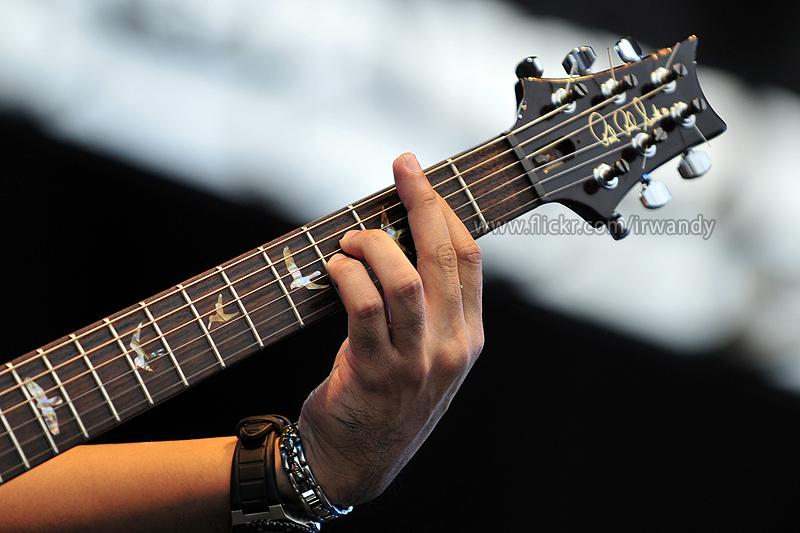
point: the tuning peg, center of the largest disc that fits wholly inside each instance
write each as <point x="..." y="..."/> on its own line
<point x="654" y="194"/>
<point x="694" y="164"/>
<point x="645" y="143"/>
<point x="530" y="67"/>
<point x="607" y="175"/>
<point x="684" y="114"/>
<point x="629" y="50"/>
<point x="563" y="97"/>
<point x="618" y="226"/>
<point x="579" y="61"/>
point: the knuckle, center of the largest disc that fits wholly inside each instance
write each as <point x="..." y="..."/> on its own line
<point x="471" y="254"/>
<point x="456" y="360"/>
<point x="445" y="256"/>
<point x="345" y="268"/>
<point x="414" y="376"/>
<point x="408" y="287"/>
<point x="368" y="308"/>
<point x="374" y="237"/>
<point x="409" y="329"/>
<point x="429" y="199"/>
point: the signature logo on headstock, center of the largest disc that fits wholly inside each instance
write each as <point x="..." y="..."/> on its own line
<point x="624" y="122"/>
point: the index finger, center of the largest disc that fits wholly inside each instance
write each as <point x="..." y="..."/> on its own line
<point x="437" y="261"/>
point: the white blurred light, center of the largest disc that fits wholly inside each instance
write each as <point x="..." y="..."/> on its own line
<point x="308" y="102"/>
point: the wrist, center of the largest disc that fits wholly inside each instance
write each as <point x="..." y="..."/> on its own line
<point x="303" y="480"/>
<point x="288" y="495"/>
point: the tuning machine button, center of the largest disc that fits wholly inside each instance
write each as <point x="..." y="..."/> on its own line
<point x="607" y="176"/>
<point x="579" y="61"/>
<point x="612" y="88"/>
<point x="666" y="77"/>
<point x="530" y="67"/>
<point x="645" y="143"/>
<point x="694" y="164"/>
<point x="567" y="98"/>
<point x="618" y="226"/>
<point x="629" y="50"/>
<point x="654" y="194"/>
<point x="684" y="114"/>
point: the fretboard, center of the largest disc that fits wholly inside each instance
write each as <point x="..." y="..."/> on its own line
<point x="81" y="385"/>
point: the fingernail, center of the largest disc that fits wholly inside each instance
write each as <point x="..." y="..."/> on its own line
<point x="411" y="163"/>
<point x="335" y="257"/>
<point x="349" y="234"/>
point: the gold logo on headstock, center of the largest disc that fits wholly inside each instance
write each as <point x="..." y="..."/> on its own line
<point x="624" y="122"/>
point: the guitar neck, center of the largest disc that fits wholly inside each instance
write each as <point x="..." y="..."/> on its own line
<point x="75" y="388"/>
<point x="582" y="141"/>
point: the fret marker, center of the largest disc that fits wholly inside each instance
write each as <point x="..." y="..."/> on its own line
<point x="45" y="405"/>
<point x="393" y="233"/>
<point x="299" y="279"/>
<point x="220" y="315"/>
<point x="141" y="356"/>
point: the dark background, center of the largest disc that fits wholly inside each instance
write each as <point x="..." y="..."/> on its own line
<point x="756" y="41"/>
<point x="560" y="426"/>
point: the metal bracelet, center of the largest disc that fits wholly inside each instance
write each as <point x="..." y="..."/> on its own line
<point x="296" y="467"/>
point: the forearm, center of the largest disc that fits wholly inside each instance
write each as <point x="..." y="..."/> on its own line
<point x="154" y="486"/>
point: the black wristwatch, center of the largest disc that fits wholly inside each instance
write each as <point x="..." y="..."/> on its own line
<point x="255" y="500"/>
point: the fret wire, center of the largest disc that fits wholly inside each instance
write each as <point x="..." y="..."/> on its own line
<point x="355" y="216"/>
<point x="283" y="287"/>
<point x="322" y="258"/>
<point x="203" y="327"/>
<point x="14" y="440"/>
<point x="316" y="248"/>
<point x="36" y="414"/>
<point x="164" y="341"/>
<point x="468" y="192"/>
<point x="125" y="352"/>
<point x="65" y="394"/>
<point x="241" y="306"/>
<point x="89" y="364"/>
<point x="131" y="364"/>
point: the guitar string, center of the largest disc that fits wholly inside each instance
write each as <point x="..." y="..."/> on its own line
<point x="444" y="164"/>
<point x="231" y="356"/>
<point x="113" y="341"/>
<point x="313" y="225"/>
<point x="388" y="191"/>
<point x="130" y="406"/>
<point x="137" y="387"/>
<point x="78" y="438"/>
<point x="295" y="233"/>
<point x="173" y="350"/>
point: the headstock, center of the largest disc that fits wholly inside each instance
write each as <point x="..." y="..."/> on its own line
<point x="587" y="139"/>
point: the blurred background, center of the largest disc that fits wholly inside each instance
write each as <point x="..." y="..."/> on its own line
<point x="666" y="394"/>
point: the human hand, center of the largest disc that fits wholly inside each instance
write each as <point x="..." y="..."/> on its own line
<point x="393" y="379"/>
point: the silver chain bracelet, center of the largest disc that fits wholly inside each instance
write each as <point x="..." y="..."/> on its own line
<point x="294" y="464"/>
